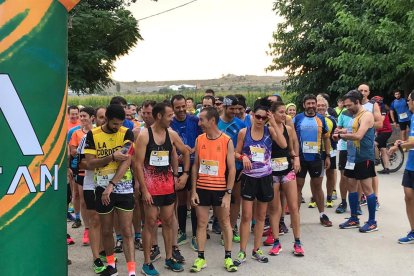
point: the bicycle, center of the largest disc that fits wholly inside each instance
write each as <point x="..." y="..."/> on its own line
<point x="396" y="159"/>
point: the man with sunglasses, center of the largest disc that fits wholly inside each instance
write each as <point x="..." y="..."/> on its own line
<point x="219" y="104"/>
<point x="208" y="101"/>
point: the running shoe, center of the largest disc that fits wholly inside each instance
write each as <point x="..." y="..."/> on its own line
<point x="378" y="206"/>
<point x="182" y="238"/>
<point x="194" y="244"/>
<point x="283" y="228"/>
<point x="109" y="271"/>
<point x="236" y="237"/>
<point x="369" y="226"/>
<point x="352" y="222"/>
<point x="155" y="253"/>
<point x="325" y="221"/>
<point x="384" y="171"/>
<point x="216" y="226"/>
<point x="363" y="200"/>
<point x="334" y="195"/>
<point x="173" y="265"/>
<point x="85" y="239"/>
<point x="298" y="249"/>
<point x="241" y="258"/>
<point x="408" y="239"/>
<point x="329" y="204"/>
<point x="312" y="204"/>
<point x="276" y="249"/>
<point x="149" y="270"/>
<point x="69" y="240"/>
<point x="267" y="232"/>
<point x="177" y="255"/>
<point x="69" y="217"/>
<point x="138" y="244"/>
<point x="118" y="246"/>
<point x="98" y="266"/>
<point x="259" y="256"/>
<point x="229" y="265"/>
<point x="77" y="223"/>
<point x="341" y="208"/>
<point x="359" y="210"/>
<point x="269" y="240"/>
<point x="266" y="223"/>
<point x="198" y="265"/>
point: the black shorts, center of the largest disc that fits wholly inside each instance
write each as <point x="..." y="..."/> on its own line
<point x="124" y="202"/>
<point x="382" y="139"/>
<point x="257" y="188"/>
<point x="408" y="179"/>
<point x="315" y="169"/>
<point x="404" y="125"/>
<point x="343" y="156"/>
<point x="210" y="197"/>
<point x="79" y="179"/>
<point x="89" y="197"/>
<point x="237" y="178"/>
<point x="362" y="170"/>
<point x="163" y="200"/>
<point x="333" y="163"/>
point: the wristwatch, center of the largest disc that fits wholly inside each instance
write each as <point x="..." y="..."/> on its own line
<point x="111" y="182"/>
<point x="229" y="191"/>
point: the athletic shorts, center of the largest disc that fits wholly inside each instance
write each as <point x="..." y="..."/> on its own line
<point x="404" y="125"/>
<point x="282" y="179"/>
<point x="315" y="169"/>
<point x="163" y="200"/>
<point x="408" y="179"/>
<point x="210" y="197"/>
<point x="382" y="139"/>
<point x="124" y="202"/>
<point x="333" y="163"/>
<point x="238" y="174"/>
<point x="343" y="156"/>
<point x="362" y="170"/>
<point x="79" y="179"/>
<point x="257" y="188"/>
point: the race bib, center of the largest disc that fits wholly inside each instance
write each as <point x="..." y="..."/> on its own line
<point x="257" y="154"/>
<point x="279" y="164"/>
<point x="310" y="147"/>
<point x="350" y="165"/>
<point x="209" y="167"/>
<point x="103" y="177"/>
<point x="332" y="153"/>
<point x="180" y="169"/>
<point x="159" y="158"/>
<point x="403" y="116"/>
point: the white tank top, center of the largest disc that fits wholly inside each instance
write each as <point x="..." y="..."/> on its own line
<point x="369" y="106"/>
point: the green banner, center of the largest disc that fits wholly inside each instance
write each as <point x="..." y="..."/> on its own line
<point x="33" y="95"/>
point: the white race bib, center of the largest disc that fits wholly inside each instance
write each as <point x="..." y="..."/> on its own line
<point x="310" y="147"/>
<point x="403" y="116"/>
<point x="332" y="153"/>
<point x="279" y="164"/>
<point x="103" y="177"/>
<point x="257" y="154"/>
<point x="159" y="158"/>
<point x="350" y="165"/>
<point x="209" y="167"/>
<point x="180" y="169"/>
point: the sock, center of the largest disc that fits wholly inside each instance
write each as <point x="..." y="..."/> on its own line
<point x="77" y="216"/>
<point x="255" y="250"/>
<point x="119" y="237"/>
<point x="353" y="203"/>
<point x="276" y="242"/>
<point x="343" y="201"/>
<point x="372" y="205"/>
<point x="102" y="253"/>
<point x="182" y="217"/>
<point x="253" y="222"/>
<point x="194" y="222"/>
<point x="201" y="254"/>
<point x="155" y="246"/>
<point x="321" y="214"/>
<point x="227" y="254"/>
<point x="131" y="268"/>
<point x="111" y="260"/>
<point x="137" y="235"/>
<point x="297" y="241"/>
<point x="329" y="198"/>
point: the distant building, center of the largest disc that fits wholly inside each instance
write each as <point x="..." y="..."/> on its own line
<point x="182" y="87"/>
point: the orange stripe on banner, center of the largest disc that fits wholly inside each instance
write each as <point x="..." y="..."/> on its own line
<point x="9" y="201"/>
<point x="69" y="4"/>
<point x="11" y="8"/>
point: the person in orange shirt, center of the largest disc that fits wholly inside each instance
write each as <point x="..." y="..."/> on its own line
<point x="73" y="114"/>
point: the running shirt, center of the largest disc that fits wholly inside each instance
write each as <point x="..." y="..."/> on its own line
<point x="102" y="144"/>
<point x="386" y="125"/>
<point x="331" y="122"/>
<point x="212" y="155"/>
<point x="247" y="120"/>
<point x="410" y="160"/>
<point x="158" y="174"/>
<point x="188" y="130"/>
<point x="281" y="159"/>
<point x="339" y="110"/>
<point x="232" y="130"/>
<point x="128" y="124"/>
<point x="88" y="181"/>
<point x="310" y="132"/>
<point x="75" y="142"/>
<point x="72" y="125"/>
<point x="259" y="153"/>
<point x="343" y="122"/>
<point x="401" y="108"/>
<point x="369" y="106"/>
<point x="71" y="131"/>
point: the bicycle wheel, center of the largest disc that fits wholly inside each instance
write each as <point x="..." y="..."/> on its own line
<point x="396" y="159"/>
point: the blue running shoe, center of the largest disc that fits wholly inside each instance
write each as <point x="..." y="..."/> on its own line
<point x="341" y="208"/>
<point x="369" y="226"/>
<point x="149" y="270"/>
<point x="352" y="222"/>
<point x="173" y="265"/>
<point x="408" y="239"/>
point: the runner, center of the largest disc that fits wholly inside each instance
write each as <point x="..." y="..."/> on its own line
<point x="213" y="176"/>
<point x="158" y="181"/>
<point x="359" y="135"/>
<point x="311" y="129"/>
<point x="291" y="110"/>
<point x="400" y="108"/>
<point x="408" y="178"/>
<point x="122" y="102"/>
<point x="208" y="101"/>
<point x="106" y="151"/>
<point x="242" y="115"/>
<point x="190" y="105"/>
<point x="340" y="107"/>
<point x="73" y="117"/>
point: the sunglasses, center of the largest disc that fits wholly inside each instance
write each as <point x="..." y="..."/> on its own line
<point x="218" y="104"/>
<point x="258" y="117"/>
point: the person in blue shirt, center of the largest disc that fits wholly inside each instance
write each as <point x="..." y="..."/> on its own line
<point x="408" y="178"/>
<point x="231" y="125"/>
<point x="121" y="101"/>
<point x="242" y="115"/>
<point x="400" y="108"/>
<point x="186" y="126"/>
<point x="311" y="129"/>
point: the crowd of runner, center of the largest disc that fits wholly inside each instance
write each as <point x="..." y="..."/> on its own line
<point x="135" y="168"/>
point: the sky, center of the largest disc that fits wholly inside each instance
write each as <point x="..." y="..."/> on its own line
<point x="203" y="40"/>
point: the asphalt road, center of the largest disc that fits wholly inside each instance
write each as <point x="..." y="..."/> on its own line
<point x="328" y="251"/>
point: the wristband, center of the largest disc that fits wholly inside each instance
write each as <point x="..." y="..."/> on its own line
<point x="241" y="157"/>
<point x="111" y="182"/>
<point x="113" y="157"/>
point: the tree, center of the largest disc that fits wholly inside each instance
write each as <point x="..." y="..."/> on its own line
<point x="101" y="31"/>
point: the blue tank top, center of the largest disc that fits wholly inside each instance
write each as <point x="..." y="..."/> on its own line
<point x="259" y="153"/>
<point x="363" y="150"/>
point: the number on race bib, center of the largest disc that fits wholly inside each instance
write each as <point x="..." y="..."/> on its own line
<point x="403" y="116"/>
<point x="159" y="158"/>
<point x="257" y="154"/>
<point x="310" y="147"/>
<point x="209" y="167"/>
<point x="280" y="164"/>
<point x="350" y="165"/>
